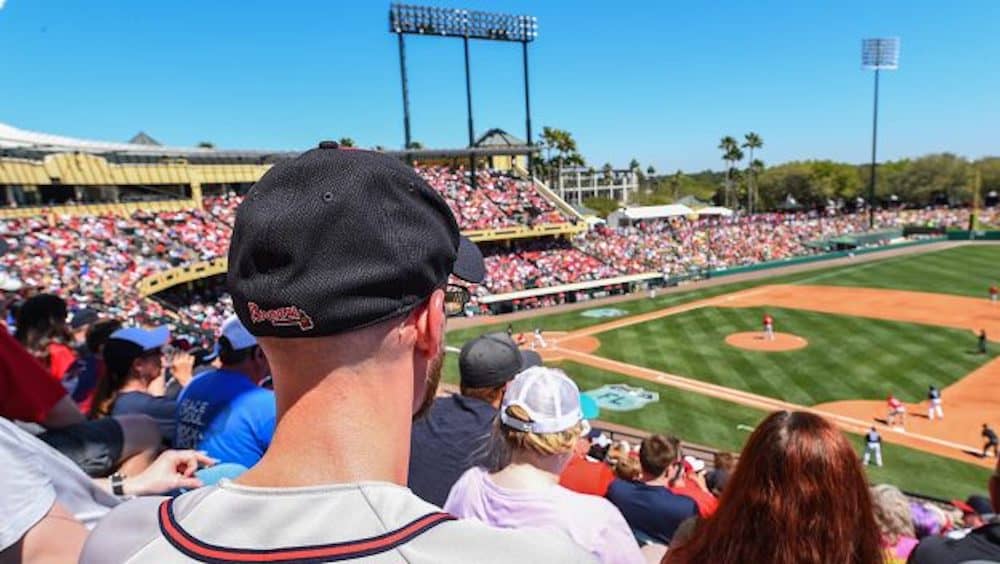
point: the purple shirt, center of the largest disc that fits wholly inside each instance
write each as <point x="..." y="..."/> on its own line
<point x="591" y="521"/>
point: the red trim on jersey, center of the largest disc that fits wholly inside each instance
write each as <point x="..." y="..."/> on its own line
<point x="194" y="548"/>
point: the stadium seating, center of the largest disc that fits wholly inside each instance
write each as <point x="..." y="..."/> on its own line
<point x="99" y="259"/>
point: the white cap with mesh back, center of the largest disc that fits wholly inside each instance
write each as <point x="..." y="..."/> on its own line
<point x="550" y="398"/>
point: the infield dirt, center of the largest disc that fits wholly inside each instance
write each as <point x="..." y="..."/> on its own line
<point x="968" y="403"/>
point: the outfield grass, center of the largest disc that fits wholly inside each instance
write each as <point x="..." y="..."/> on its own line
<point x="713" y="422"/>
<point x="856" y="357"/>
<point x="847" y="357"/>
<point x="965" y="271"/>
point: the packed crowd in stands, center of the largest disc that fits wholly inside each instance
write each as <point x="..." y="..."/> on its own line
<point x="124" y="443"/>
<point x="97" y="261"/>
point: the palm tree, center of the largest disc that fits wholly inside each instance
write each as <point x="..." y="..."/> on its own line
<point x="751" y="141"/>
<point x="728" y="145"/>
<point x="734" y="156"/>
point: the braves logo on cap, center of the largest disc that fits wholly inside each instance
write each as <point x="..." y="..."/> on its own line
<point x="280" y="317"/>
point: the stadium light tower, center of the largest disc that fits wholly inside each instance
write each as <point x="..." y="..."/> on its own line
<point x="464" y="24"/>
<point x="877" y="54"/>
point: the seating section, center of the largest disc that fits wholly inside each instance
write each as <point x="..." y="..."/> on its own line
<point x="100" y="259"/>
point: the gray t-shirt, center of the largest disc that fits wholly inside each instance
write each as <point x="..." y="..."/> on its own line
<point x="34" y="476"/>
<point x="369" y="521"/>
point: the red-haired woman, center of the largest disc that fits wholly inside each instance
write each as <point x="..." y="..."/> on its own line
<point x="798" y="496"/>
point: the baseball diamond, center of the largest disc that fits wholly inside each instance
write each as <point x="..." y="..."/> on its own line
<point x="891" y="324"/>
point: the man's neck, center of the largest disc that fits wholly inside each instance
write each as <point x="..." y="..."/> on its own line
<point x="348" y="427"/>
<point x="652" y="480"/>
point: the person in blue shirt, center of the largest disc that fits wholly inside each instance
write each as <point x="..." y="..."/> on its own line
<point x="225" y="412"/>
<point x="648" y="505"/>
<point x="453" y="435"/>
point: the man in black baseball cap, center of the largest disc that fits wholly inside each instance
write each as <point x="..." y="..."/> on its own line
<point x="452" y="437"/>
<point x="339" y="266"/>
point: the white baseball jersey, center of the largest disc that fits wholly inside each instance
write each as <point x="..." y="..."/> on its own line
<point x="361" y="522"/>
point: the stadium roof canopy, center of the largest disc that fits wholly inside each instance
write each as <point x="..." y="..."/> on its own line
<point x="22" y="143"/>
<point x="499" y="138"/>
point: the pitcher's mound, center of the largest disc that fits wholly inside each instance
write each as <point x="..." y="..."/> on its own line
<point x="755" y="341"/>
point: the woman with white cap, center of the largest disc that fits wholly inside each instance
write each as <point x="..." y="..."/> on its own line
<point x="540" y="421"/>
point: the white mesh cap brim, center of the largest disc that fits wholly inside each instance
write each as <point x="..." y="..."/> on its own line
<point x="548" y="396"/>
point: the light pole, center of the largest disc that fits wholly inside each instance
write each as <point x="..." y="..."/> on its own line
<point x="431" y="21"/>
<point x="877" y="54"/>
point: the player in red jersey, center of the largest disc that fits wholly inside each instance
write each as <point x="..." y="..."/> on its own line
<point x="897" y="412"/>
<point x="768" y="327"/>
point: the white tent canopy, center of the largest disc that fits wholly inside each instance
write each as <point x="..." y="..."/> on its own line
<point x="650" y="212"/>
<point x="716" y="210"/>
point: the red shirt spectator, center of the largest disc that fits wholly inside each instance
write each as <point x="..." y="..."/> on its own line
<point x="587" y="476"/>
<point x="27" y="391"/>
<point x="61" y="358"/>
<point x="692" y="485"/>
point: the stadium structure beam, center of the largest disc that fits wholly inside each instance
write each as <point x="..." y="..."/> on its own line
<point x="406" y="93"/>
<point x="877" y="54"/>
<point x="465" y="24"/>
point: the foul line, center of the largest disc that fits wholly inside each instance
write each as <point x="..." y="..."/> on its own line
<point x="744" y="398"/>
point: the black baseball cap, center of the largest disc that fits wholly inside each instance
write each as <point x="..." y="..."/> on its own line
<point x="493" y="359"/>
<point x="83" y="317"/>
<point x="338" y="239"/>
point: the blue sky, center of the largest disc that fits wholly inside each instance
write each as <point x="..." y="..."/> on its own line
<point x="659" y="81"/>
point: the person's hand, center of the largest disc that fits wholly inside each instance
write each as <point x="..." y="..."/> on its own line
<point x="182" y="367"/>
<point x="173" y="469"/>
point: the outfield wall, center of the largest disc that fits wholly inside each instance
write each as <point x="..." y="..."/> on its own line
<point x="974" y="235"/>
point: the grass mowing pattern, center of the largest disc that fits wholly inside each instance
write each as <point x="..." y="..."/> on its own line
<point x="712" y="422"/>
<point x="965" y="271"/>
<point x="847" y="357"/>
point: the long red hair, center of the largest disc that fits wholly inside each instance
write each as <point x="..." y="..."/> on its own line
<point x="798" y="496"/>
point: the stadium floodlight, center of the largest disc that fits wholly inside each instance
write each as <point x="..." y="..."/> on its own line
<point x="877" y="54"/>
<point x="407" y="19"/>
<point x="429" y="20"/>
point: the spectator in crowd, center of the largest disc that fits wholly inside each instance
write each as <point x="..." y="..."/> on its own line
<point x="895" y="523"/>
<point x="28" y="394"/>
<point x="89" y="369"/>
<point x="225" y="413"/>
<point x="979" y="545"/>
<point x="584" y="474"/>
<point x="651" y="509"/>
<point x="453" y="436"/>
<point x="79" y="324"/>
<point x="725" y="463"/>
<point x="627" y="467"/>
<point x="49" y="504"/>
<point x="976" y="512"/>
<point x="205" y="360"/>
<point x="928" y="519"/>
<point x="41" y="328"/>
<point x="689" y="481"/>
<point x="539" y="424"/>
<point x="135" y="379"/>
<point x="799" y="495"/>
<point x="353" y="324"/>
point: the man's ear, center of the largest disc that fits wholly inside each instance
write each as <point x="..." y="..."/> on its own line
<point x="430" y="325"/>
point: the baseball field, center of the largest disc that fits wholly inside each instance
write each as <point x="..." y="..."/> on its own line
<point x="849" y="333"/>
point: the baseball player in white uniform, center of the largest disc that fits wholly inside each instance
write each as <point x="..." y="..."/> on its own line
<point x="538" y="340"/>
<point x="873" y="445"/>
<point x="934" y="396"/>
